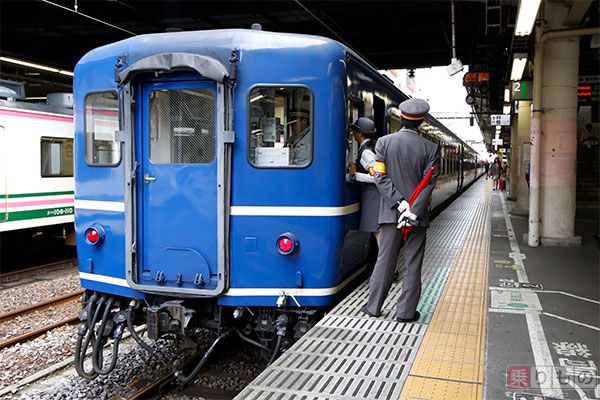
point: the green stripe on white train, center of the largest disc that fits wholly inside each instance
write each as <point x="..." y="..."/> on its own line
<point x="34" y="214"/>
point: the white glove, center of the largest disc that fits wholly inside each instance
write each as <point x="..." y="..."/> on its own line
<point x="403" y="206"/>
<point x="406" y="218"/>
<point x="402" y="223"/>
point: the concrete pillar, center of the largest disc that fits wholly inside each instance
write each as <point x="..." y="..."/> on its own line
<point x="558" y="151"/>
<point x="513" y="159"/>
<point x="522" y="158"/>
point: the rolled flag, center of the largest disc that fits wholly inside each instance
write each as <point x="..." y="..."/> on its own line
<point x="424" y="182"/>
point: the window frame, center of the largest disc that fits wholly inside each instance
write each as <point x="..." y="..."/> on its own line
<point x="61" y="140"/>
<point x="311" y="121"/>
<point x="85" y="132"/>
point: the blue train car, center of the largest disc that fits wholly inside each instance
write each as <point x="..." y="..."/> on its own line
<point x="210" y="181"/>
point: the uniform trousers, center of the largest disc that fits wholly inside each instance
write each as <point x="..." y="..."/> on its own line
<point x="383" y="273"/>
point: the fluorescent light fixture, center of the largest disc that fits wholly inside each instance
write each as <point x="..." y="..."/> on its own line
<point x="260" y="96"/>
<point x="36" y="66"/>
<point x="506" y="95"/>
<point x="36" y="98"/>
<point x="519" y="61"/>
<point x="506" y="110"/>
<point x="526" y="16"/>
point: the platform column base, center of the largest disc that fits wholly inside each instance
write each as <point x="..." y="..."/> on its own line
<point x="574" y="241"/>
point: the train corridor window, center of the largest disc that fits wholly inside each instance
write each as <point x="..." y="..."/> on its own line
<point x="56" y="157"/>
<point x="101" y="123"/>
<point x="280" y="127"/>
<point x="183" y="126"/>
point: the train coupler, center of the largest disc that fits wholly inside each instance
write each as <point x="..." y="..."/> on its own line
<point x="169" y="317"/>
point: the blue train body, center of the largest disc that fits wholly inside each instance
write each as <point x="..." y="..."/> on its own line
<point x="184" y="182"/>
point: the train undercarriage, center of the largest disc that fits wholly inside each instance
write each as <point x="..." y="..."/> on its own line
<point x="105" y="317"/>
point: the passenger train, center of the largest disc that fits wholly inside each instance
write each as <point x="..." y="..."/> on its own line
<point x="36" y="171"/>
<point x="210" y="183"/>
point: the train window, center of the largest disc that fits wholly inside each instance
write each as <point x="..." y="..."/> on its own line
<point x="56" y="157"/>
<point x="280" y="133"/>
<point x="182" y="126"/>
<point x="101" y="123"/>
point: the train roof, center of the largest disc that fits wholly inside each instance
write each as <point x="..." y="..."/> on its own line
<point x="215" y="43"/>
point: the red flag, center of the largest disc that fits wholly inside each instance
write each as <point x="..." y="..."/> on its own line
<point x="424" y="182"/>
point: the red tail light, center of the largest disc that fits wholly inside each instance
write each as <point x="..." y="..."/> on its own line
<point x="287" y="244"/>
<point x="94" y="234"/>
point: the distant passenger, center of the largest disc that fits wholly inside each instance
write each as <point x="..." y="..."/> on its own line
<point x="362" y="171"/>
<point x="496" y="173"/>
<point x="403" y="161"/>
<point x="301" y="137"/>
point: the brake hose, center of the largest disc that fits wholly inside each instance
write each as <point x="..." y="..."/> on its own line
<point x="184" y="380"/>
<point x="98" y="345"/>
<point x="83" y="344"/>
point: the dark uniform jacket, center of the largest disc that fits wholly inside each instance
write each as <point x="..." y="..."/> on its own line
<point x="407" y="157"/>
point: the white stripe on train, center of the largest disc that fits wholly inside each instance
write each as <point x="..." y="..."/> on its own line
<point x="237" y="292"/>
<point x="263" y="211"/>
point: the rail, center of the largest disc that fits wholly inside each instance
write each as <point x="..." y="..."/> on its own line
<point x="39" y="307"/>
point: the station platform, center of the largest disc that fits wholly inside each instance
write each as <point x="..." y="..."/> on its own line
<point x="499" y="320"/>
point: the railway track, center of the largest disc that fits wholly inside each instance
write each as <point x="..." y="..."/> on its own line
<point x="217" y="380"/>
<point x="57" y="301"/>
<point x="38" y="271"/>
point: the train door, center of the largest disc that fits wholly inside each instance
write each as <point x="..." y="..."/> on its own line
<point x="178" y="222"/>
<point x="3" y="175"/>
<point x="461" y="166"/>
<point x="379" y="115"/>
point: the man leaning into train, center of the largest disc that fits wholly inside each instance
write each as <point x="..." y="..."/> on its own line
<point x="405" y="162"/>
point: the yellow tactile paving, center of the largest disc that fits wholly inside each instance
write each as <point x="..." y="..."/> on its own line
<point x="450" y="362"/>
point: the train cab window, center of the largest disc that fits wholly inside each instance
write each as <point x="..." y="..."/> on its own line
<point x="56" y="157"/>
<point x="183" y="126"/>
<point x="280" y="128"/>
<point x="101" y="123"/>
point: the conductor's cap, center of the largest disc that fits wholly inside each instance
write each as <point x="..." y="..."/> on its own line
<point x="414" y="109"/>
<point x="364" y="125"/>
<point x="298" y="113"/>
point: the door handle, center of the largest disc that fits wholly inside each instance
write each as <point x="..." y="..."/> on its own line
<point x="148" y="178"/>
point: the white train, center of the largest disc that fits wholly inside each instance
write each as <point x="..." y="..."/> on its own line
<point x="36" y="168"/>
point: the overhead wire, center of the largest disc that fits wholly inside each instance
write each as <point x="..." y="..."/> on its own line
<point x="334" y="32"/>
<point x="322" y="23"/>
<point x="88" y="16"/>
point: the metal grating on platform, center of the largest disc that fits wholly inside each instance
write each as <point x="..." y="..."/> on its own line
<point x="350" y="356"/>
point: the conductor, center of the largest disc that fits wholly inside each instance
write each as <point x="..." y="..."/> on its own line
<point x="403" y="161"/>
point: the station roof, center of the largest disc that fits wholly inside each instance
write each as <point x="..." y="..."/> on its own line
<point x="390" y="34"/>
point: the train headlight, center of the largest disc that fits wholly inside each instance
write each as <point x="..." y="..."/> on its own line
<point x="94" y="234"/>
<point x="287" y="244"/>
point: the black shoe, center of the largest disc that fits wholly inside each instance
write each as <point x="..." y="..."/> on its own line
<point x="415" y="318"/>
<point x="364" y="310"/>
